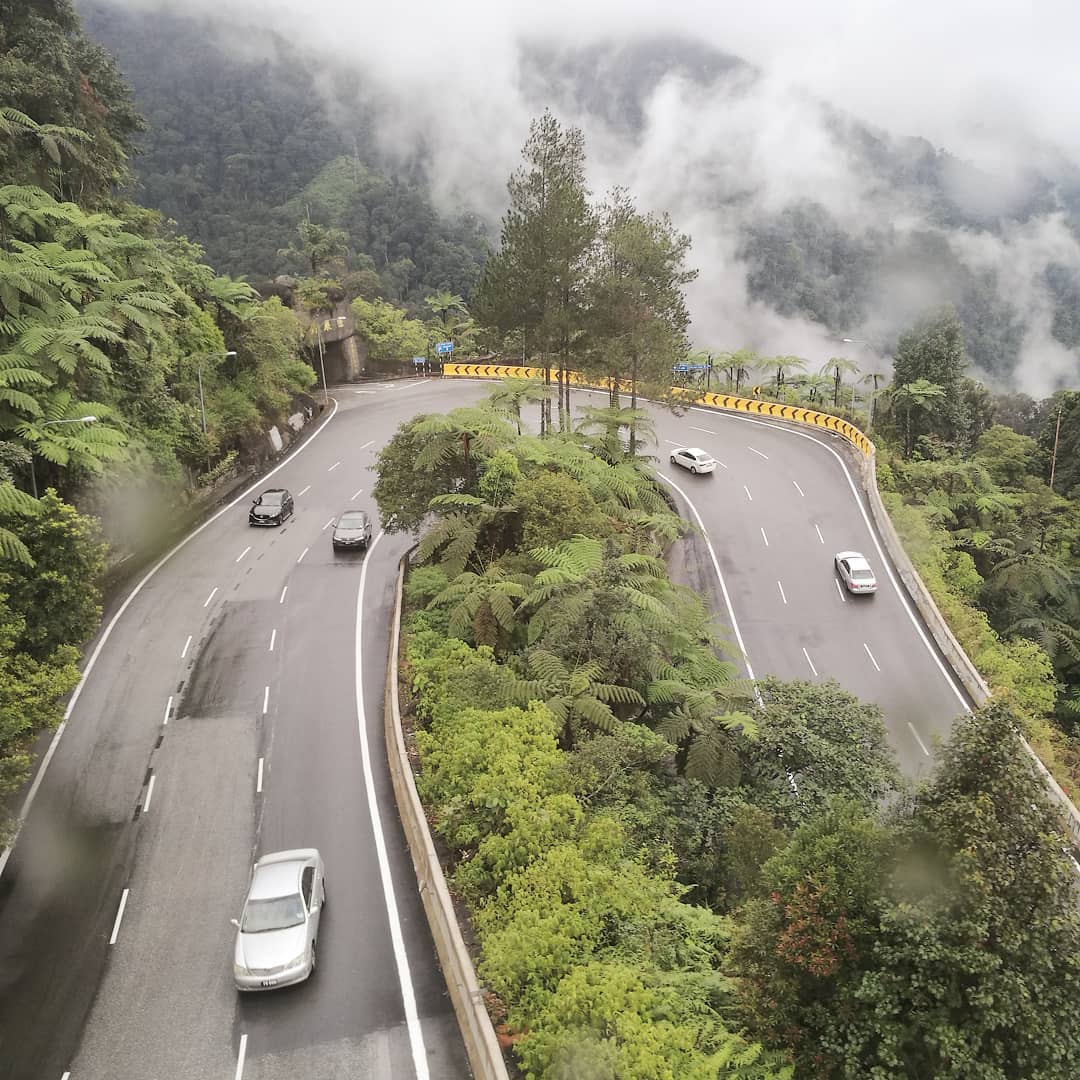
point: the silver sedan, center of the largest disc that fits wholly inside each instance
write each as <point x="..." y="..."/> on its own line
<point x="278" y="929"/>
<point x="855" y="572"/>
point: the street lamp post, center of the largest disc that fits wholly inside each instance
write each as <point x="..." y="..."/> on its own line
<point x="49" y="423"/>
<point x="202" y="404"/>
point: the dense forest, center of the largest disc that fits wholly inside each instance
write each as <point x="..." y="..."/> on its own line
<point x="239" y="151"/>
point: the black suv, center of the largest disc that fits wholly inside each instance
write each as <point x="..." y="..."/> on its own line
<point x="272" y="507"/>
<point x="352" y="530"/>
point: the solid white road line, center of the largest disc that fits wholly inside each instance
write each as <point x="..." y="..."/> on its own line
<point x="187" y="645"/>
<point x="258" y="781"/>
<point x="149" y="793"/>
<point x="304" y="491"/>
<point x="281" y="599"/>
<point x="327" y="525"/>
<point x="243" y="553"/>
<point x="102" y="641"/>
<point x="273" y="638"/>
<point x="359" y="491"/>
<point x="922" y="745"/>
<point x="412" y="1018"/>
<point x="748" y="495"/>
<point x="670" y="443"/>
<point x="799" y="489"/>
<point x="705" y="430"/>
<point x="364" y="391"/>
<point x="240" y="1057"/>
<point x="206" y="602"/>
<point x="367" y="444"/>
<point x="781" y="588"/>
<point x="334" y="466"/>
<point x="840" y="590"/>
<point x="266" y="700"/>
<point x="119" y="916"/>
<point x="819" y="536"/>
<point x="168" y="709"/>
<point x="764" y="536"/>
<point x="719" y="577"/>
<point x="810" y="662"/>
<point x="66" y="1076"/>
<point x="758" y="452"/>
<point x="871" y="655"/>
<point x="301" y="559"/>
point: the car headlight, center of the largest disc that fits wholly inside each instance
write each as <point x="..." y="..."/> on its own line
<point x="239" y="969"/>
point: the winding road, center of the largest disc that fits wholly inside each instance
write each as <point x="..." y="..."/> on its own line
<point x="236" y="708"/>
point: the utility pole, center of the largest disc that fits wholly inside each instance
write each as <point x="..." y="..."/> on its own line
<point x="322" y="366"/>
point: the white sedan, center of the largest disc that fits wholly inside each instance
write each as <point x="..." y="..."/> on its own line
<point x="694" y="459"/>
<point x="277" y="933"/>
<point x="855" y="572"/>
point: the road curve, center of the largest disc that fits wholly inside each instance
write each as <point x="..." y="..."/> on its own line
<point x="775" y="512"/>
<point x="231" y="713"/>
<point x="227" y="716"/>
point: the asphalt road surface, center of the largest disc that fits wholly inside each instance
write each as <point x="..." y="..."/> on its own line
<point x="231" y="712"/>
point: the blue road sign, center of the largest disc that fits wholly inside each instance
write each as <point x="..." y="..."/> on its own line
<point x="418" y="360"/>
<point x="683" y="368"/>
<point x="443" y="347"/>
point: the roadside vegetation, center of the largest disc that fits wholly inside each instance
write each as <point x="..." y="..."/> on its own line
<point x="671" y="876"/>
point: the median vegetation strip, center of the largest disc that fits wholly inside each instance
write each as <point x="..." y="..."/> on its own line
<point x="650" y="893"/>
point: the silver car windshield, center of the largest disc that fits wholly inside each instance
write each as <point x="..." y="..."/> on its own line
<point x="277" y="914"/>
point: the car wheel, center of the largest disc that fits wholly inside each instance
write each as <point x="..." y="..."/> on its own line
<point x="693" y="469"/>
<point x="672" y="459"/>
<point x="312" y="959"/>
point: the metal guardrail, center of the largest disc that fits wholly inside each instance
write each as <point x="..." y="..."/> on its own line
<point x="481" y="1043"/>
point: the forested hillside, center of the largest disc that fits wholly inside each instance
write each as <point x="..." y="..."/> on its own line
<point x="238" y="151"/>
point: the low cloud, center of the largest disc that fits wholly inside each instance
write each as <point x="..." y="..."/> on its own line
<point x="996" y="87"/>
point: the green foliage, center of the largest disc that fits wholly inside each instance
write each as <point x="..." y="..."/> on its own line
<point x="57" y="598"/>
<point x="67" y="124"/>
<point x="975" y="960"/>
<point x="815" y="743"/>
<point x="801" y="946"/>
<point x="391" y="337"/>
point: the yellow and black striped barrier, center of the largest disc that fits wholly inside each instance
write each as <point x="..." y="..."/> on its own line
<point x="774" y="409"/>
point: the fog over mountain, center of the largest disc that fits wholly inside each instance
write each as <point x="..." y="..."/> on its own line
<point x="839" y="165"/>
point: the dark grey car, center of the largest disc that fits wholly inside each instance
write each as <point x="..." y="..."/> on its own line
<point x="352" y="531"/>
<point x="272" y="507"/>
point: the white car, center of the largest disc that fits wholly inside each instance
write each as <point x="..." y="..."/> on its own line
<point x="855" y="572"/>
<point x="694" y="459"/>
<point x="279" y="927"/>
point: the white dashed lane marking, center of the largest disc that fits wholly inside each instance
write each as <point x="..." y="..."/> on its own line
<point x="810" y="662"/>
<point x="119" y="916"/>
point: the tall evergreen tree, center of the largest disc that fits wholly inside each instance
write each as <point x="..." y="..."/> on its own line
<point x="535" y="282"/>
<point x="639" y="319"/>
<point x="934" y="350"/>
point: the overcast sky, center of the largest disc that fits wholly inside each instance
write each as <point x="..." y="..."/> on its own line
<point x="996" y="82"/>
